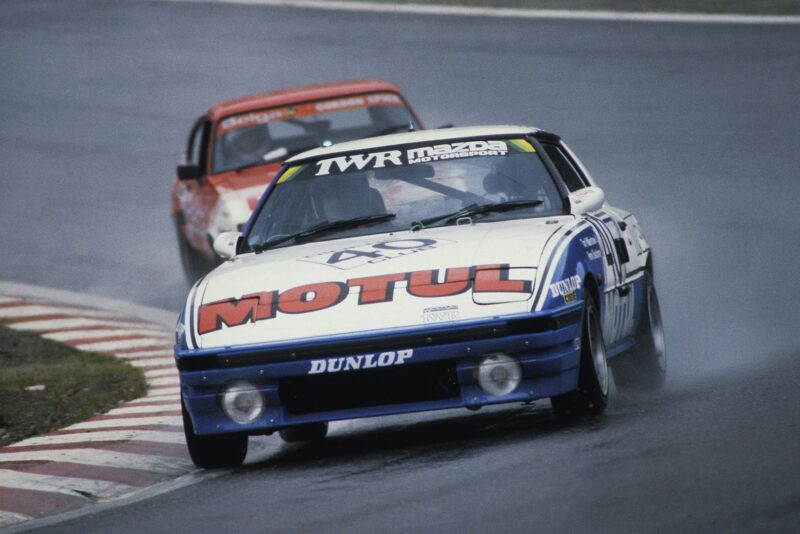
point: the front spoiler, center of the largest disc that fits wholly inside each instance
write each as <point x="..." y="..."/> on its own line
<point x="546" y="344"/>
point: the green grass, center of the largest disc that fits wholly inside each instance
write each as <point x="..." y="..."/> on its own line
<point x="78" y="385"/>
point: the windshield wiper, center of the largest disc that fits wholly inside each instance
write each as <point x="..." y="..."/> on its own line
<point x="324" y="227"/>
<point x="478" y="209"/>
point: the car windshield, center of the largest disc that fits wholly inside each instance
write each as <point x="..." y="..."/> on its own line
<point x="416" y="186"/>
<point x="275" y="134"/>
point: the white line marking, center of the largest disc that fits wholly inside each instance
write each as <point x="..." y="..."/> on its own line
<point x="102" y="458"/>
<point x="516" y="13"/>
<point x="130" y="421"/>
<point x="161" y="391"/>
<point x="93" y="334"/>
<point x="146" y="353"/>
<point x="37" y="309"/>
<point x="147" y="409"/>
<point x="111" y="306"/>
<point x="156" y="373"/>
<point x="58" y="484"/>
<point x="56" y="324"/>
<point x="111" y="346"/>
<point x="10" y="518"/>
<point x="151" y="398"/>
<point x="110" y="435"/>
<point x="153" y="363"/>
<point x="163" y="381"/>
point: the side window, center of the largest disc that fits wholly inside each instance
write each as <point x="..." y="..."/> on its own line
<point x="198" y="140"/>
<point x="570" y="174"/>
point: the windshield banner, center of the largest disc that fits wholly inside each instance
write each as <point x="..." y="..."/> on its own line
<point x="304" y="110"/>
<point x="420" y="154"/>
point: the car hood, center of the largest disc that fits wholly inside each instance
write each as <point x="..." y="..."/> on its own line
<point x="372" y="283"/>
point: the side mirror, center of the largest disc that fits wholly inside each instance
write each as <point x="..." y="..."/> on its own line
<point x="226" y="243"/>
<point x="275" y="155"/>
<point x="189" y="171"/>
<point x="586" y="200"/>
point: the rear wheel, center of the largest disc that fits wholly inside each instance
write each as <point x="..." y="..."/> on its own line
<point x="591" y="397"/>
<point x="644" y="367"/>
<point x="307" y="432"/>
<point x="210" y="452"/>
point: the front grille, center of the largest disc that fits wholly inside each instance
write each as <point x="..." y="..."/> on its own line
<point x="402" y="384"/>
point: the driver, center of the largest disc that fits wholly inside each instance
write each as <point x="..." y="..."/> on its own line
<point x="345" y="197"/>
<point x="247" y="145"/>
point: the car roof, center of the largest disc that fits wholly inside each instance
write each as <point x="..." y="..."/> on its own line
<point x="423" y="136"/>
<point x="295" y="95"/>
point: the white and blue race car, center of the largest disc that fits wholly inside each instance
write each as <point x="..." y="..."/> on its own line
<point x="420" y="271"/>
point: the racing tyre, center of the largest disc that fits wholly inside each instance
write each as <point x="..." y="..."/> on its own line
<point x="307" y="432"/>
<point x="591" y="397"/>
<point x="644" y="367"/>
<point x="211" y="452"/>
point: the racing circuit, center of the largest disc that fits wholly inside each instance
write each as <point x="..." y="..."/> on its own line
<point x="692" y="127"/>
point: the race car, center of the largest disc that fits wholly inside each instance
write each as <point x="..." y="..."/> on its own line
<point x="419" y="271"/>
<point x="237" y="146"/>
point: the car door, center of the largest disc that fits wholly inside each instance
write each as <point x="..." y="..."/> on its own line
<point x="618" y="297"/>
<point x="195" y="195"/>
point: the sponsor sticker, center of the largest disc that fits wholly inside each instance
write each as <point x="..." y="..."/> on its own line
<point x="351" y="257"/>
<point x="565" y="287"/>
<point x="304" y="110"/>
<point x="360" y="361"/>
<point x="419" y="154"/>
<point x="439" y="314"/>
<point x="376" y="289"/>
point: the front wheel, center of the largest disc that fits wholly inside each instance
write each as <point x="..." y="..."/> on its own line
<point x="591" y="397"/>
<point x="211" y="452"/>
<point x="644" y="367"/>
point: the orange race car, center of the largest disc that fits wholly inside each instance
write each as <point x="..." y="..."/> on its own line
<point x="237" y="146"/>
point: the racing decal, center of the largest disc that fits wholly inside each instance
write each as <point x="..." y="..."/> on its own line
<point x="359" y="162"/>
<point x="592" y="247"/>
<point x="291" y="172"/>
<point x="351" y="257"/>
<point x="312" y="297"/>
<point x="495" y="279"/>
<point x="361" y="361"/>
<point x="522" y="145"/>
<point x="425" y="284"/>
<point x="376" y="289"/>
<point x="420" y="154"/>
<point x="620" y="315"/>
<point x="566" y="288"/>
<point x="439" y="314"/>
<point x="252" y="118"/>
<point x="463" y="149"/>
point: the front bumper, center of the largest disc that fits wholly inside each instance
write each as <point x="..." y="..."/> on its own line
<point x="547" y="346"/>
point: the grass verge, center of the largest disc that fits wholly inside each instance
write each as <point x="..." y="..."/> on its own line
<point x="77" y="385"/>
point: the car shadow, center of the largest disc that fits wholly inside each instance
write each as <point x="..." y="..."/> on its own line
<point x="419" y="440"/>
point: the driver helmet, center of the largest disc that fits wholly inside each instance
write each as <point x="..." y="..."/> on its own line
<point x="249" y="144"/>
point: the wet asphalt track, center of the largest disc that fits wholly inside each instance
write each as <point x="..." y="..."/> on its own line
<point x="693" y="127"/>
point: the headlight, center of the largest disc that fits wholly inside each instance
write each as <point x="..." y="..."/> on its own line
<point x="499" y="374"/>
<point x="242" y="402"/>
